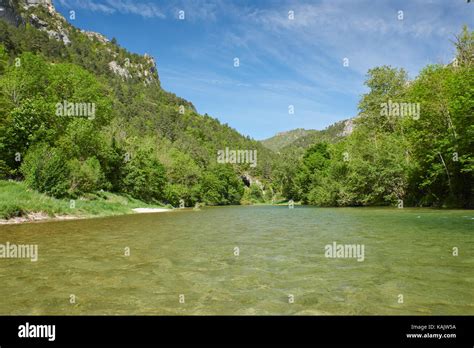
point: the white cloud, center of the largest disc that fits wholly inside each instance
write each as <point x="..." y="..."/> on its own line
<point x="144" y="9"/>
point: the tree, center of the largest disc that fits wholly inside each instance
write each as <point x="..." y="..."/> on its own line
<point x="464" y="43"/>
<point x="144" y="176"/>
<point x="220" y="185"/>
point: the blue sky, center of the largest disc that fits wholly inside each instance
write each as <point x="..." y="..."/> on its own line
<point x="283" y="61"/>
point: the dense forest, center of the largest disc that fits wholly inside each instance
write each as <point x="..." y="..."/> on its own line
<point x="407" y="157"/>
<point x="154" y="146"/>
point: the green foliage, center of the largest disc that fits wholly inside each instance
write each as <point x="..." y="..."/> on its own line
<point x="17" y="199"/>
<point x="464" y="44"/>
<point x="283" y="139"/>
<point x="45" y="170"/>
<point x="424" y="159"/>
<point x="144" y="176"/>
<point x="220" y="185"/>
<point x="441" y="141"/>
<point x="177" y="160"/>
<point x="253" y="194"/>
<point x="3" y="59"/>
<point x="85" y="176"/>
<point x="26" y="125"/>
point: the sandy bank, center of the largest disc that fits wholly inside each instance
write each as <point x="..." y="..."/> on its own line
<point x="150" y="210"/>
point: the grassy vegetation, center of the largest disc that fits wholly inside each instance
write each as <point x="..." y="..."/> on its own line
<point x="16" y="200"/>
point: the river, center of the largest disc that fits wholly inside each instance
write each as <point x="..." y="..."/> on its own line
<point x="244" y="260"/>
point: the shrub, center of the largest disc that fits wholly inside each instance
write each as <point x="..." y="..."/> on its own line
<point x="45" y="170"/>
<point x="11" y="211"/>
<point x="253" y="194"/>
<point x="86" y="176"/>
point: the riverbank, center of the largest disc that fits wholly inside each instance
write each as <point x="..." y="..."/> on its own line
<point x="19" y="204"/>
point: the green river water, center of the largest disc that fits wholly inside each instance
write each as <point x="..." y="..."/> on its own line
<point x="407" y="252"/>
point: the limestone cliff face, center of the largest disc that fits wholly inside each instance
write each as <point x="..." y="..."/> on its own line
<point x="348" y="127"/>
<point x="55" y="25"/>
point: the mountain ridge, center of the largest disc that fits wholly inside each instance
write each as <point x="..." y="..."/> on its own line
<point x="306" y="137"/>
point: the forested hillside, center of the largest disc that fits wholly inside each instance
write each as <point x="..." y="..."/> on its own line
<point x="283" y="139"/>
<point x="80" y="114"/>
<point x="300" y="139"/>
<point x="142" y="140"/>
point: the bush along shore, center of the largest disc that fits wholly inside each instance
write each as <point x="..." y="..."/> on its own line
<point x="19" y="204"/>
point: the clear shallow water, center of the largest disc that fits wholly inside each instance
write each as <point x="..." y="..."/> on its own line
<point x="407" y="251"/>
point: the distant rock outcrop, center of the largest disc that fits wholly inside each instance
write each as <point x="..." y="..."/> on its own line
<point x="249" y="180"/>
<point x="348" y="128"/>
<point x="95" y="36"/>
<point x="119" y="70"/>
<point x="48" y="4"/>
